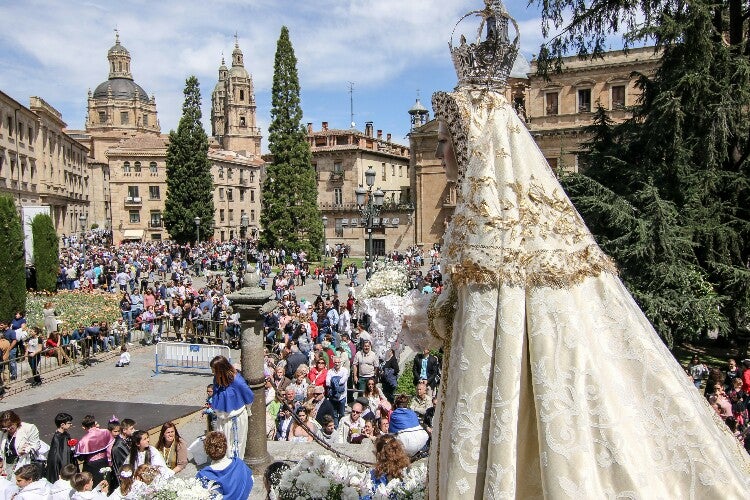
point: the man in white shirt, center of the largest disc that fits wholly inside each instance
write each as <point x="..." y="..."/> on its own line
<point x="345" y="321"/>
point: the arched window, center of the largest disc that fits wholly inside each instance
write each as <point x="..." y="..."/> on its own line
<point x="137" y="167"/>
<point x="152" y="167"/>
<point x="126" y="167"/>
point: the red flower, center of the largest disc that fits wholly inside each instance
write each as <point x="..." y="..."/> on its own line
<point x="72" y="442"/>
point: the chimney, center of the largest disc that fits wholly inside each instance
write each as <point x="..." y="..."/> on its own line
<point x="380" y="134"/>
<point x="368" y="129"/>
<point x="309" y="128"/>
<point x="388" y="137"/>
<point x="325" y="125"/>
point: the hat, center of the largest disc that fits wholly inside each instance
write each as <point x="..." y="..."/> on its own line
<point x="319" y="390"/>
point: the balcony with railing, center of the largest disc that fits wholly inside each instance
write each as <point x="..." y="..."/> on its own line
<point x="336" y="176"/>
<point x="155" y="224"/>
<point x="133" y="201"/>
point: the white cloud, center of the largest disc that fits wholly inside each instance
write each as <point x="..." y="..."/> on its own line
<point x="57" y="50"/>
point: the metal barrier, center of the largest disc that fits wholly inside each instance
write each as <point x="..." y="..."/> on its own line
<point x="182" y="355"/>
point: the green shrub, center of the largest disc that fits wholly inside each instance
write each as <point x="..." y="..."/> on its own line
<point x="406" y="380"/>
<point x="46" y="252"/>
<point x="12" y="260"/>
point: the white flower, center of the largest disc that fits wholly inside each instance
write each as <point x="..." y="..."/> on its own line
<point x="349" y="494"/>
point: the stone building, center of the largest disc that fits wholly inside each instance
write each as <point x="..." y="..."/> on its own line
<point x="556" y="113"/>
<point x="40" y="164"/>
<point x="128" y="153"/>
<point x="340" y="159"/>
<point x="117" y="110"/>
<point x="558" y="110"/>
<point x="233" y="123"/>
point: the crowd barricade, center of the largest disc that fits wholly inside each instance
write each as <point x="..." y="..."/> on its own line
<point x="184" y="355"/>
<point x="52" y="363"/>
<point x="203" y="331"/>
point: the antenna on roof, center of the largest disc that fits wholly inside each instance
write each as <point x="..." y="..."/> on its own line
<point x="351" y="104"/>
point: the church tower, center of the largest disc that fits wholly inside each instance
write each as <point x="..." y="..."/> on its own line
<point x="119" y="104"/>
<point x="233" y="122"/>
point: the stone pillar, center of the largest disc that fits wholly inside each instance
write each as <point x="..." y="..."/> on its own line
<point x="256" y="452"/>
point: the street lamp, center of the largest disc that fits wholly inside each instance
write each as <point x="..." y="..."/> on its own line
<point x="244" y="223"/>
<point x="197" y="221"/>
<point x="369" y="203"/>
<point x="325" y="223"/>
<point x="82" y="219"/>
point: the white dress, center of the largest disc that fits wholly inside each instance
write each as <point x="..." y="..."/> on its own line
<point x="554" y="384"/>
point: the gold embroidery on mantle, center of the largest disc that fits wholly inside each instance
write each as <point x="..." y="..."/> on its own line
<point x="549" y="268"/>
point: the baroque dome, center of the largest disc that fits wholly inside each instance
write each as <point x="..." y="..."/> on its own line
<point x="122" y="88"/>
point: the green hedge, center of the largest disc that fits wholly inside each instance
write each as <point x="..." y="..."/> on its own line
<point x="406" y="380"/>
<point x="12" y="260"/>
<point x="46" y="253"/>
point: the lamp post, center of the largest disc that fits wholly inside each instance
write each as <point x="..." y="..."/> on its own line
<point x="244" y="223"/>
<point x="325" y="223"/>
<point x="197" y="221"/>
<point x="369" y="203"/>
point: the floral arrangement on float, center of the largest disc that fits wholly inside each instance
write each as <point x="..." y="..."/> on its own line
<point x="323" y="477"/>
<point x="177" y="488"/>
<point x="397" y="312"/>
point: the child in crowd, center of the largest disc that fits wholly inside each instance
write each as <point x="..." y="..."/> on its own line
<point x="126" y="480"/>
<point x="62" y="488"/>
<point x="30" y="483"/>
<point x="208" y="411"/>
<point x="124" y="357"/>
<point x="83" y="484"/>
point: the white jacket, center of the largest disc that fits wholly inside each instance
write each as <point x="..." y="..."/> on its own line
<point x="37" y="490"/>
<point x="27" y="441"/>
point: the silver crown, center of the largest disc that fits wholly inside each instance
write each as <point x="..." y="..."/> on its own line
<point x="486" y="63"/>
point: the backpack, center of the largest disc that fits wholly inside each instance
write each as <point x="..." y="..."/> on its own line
<point x="337" y="388"/>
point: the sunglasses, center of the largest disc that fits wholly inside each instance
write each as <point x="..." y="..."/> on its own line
<point x="355" y="412"/>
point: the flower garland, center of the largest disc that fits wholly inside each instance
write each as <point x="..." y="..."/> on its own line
<point x="177" y="488"/>
<point x="388" y="278"/>
<point x="326" y="477"/>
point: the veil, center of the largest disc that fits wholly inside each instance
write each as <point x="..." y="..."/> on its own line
<point x="555" y="385"/>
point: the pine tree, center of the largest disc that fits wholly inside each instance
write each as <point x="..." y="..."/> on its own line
<point x="667" y="192"/>
<point x="46" y="253"/>
<point x="290" y="216"/>
<point x="12" y="260"/>
<point x="189" y="180"/>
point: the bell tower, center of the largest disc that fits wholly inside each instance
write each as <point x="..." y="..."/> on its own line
<point x="233" y="108"/>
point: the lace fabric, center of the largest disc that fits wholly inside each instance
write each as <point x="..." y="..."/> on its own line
<point x="554" y="383"/>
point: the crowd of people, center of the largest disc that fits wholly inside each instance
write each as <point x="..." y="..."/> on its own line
<point x="116" y="461"/>
<point x="727" y="391"/>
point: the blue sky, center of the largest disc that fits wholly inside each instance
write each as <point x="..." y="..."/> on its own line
<point x="389" y="48"/>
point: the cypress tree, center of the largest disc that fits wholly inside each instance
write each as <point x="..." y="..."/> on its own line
<point x="667" y="192"/>
<point x="290" y="216"/>
<point x="12" y="260"/>
<point x="189" y="180"/>
<point x="46" y="252"/>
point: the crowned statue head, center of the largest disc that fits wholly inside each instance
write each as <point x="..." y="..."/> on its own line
<point x="486" y="61"/>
